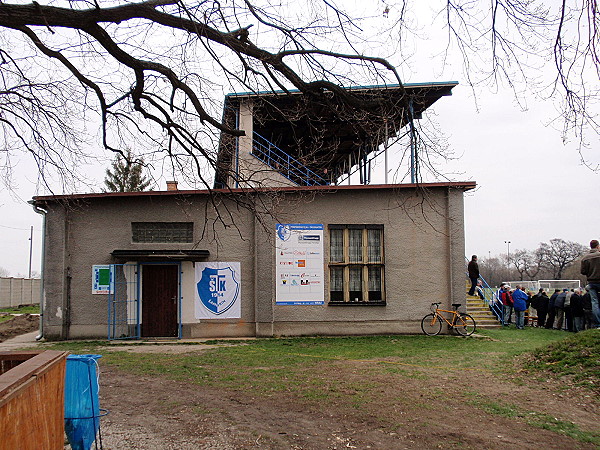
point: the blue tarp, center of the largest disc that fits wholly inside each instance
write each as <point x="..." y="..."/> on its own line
<point x="82" y="407"/>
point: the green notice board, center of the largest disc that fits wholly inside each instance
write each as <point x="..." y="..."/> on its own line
<point x="101" y="279"/>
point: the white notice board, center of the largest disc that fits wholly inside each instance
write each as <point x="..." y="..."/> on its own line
<point x="299" y="260"/>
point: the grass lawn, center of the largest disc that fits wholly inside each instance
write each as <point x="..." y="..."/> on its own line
<point x="27" y="309"/>
<point x="6" y="313"/>
<point x="356" y="372"/>
<point x="494" y="351"/>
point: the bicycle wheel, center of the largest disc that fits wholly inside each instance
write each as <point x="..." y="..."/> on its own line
<point x="431" y="325"/>
<point x="465" y="325"/>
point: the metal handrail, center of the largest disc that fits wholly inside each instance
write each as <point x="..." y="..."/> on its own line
<point x="490" y="297"/>
<point x="285" y="164"/>
<point x="493" y="301"/>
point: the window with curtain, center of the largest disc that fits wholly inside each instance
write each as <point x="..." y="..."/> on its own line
<point x="356" y="264"/>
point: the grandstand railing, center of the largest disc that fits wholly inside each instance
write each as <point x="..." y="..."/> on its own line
<point x="285" y="164"/>
<point x="490" y="296"/>
<point x="494" y="303"/>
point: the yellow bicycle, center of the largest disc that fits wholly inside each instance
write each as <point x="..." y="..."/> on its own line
<point x="463" y="323"/>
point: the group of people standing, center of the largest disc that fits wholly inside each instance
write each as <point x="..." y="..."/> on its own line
<point x="572" y="308"/>
<point x="513" y="300"/>
<point x="565" y="309"/>
<point x="578" y="309"/>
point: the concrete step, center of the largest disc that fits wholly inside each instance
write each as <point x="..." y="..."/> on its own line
<point x="486" y="321"/>
<point x="476" y="301"/>
<point x="478" y="308"/>
<point x="482" y="314"/>
<point x="480" y="311"/>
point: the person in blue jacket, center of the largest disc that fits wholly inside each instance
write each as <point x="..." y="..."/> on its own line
<point x="520" y="305"/>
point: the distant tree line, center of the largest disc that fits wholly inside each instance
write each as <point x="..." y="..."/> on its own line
<point x="554" y="260"/>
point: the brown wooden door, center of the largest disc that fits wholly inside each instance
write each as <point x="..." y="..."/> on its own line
<point x="160" y="291"/>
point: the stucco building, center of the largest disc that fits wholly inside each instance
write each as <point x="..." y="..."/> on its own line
<point x="260" y="255"/>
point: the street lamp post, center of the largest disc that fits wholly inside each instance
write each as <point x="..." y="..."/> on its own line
<point x="507" y="254"/>
<point x="30" y="249"/>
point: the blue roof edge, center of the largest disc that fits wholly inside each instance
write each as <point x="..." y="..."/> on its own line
<point x="373" y="86"/>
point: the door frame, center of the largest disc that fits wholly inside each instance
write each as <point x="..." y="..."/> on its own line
<point x="179" y="276"/>
<point x="124" y="302"/>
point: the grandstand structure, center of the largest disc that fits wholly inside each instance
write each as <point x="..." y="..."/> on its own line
<point x="292" y="139"/>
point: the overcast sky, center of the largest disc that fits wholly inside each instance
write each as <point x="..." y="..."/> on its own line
<point x="532" y="186"/>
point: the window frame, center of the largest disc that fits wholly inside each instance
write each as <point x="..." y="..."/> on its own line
<point x="346" y="265"/>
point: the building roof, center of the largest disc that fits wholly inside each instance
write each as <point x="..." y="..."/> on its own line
<point x="462" y="185"/>
<point x="441" y="86"/>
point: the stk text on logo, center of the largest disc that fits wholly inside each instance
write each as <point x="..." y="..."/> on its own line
<point x="218" y="289"/>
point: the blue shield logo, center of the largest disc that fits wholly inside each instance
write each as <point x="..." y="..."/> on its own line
<point x="283" y="232"/>
<point x="218" y="289"/>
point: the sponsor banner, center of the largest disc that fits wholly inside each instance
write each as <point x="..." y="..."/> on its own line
<point x="218" y="290"/>
<point x="299" y="264"/>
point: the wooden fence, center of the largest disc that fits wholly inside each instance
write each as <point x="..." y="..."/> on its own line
<point x="32" y="400"/>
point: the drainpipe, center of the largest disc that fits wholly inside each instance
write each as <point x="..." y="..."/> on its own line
<point x="237" y="147"/>
<point x="43" y="213"/>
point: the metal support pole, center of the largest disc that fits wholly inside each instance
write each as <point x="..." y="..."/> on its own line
<point x="349" y="166"/>
<point x="413" y="144"/>
<point x="365" y="168"/>
<point x="386" y="152"/>
<point x="361" y="169"/>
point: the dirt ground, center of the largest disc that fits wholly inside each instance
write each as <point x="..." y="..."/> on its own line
<point x="18" y="325"/>
<point x="427" y="409"/>
<point x="413" y="408"/>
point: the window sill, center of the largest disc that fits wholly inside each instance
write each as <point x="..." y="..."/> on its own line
<point x="356" y="303"/>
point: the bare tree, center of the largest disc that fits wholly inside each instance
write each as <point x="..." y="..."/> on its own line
<point x="519" y="259"/>
<point x="155" y="71"/>
<point x="493" y="271"/>
<point x="535" y="263"/>
<point x="573" y="271"/>
<point x="4" y="272"/>
<point x="523" y="35"/>
<point x="115" y="62"/>
<point x="528" y="262"/>
<point x="558" y="254"/>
